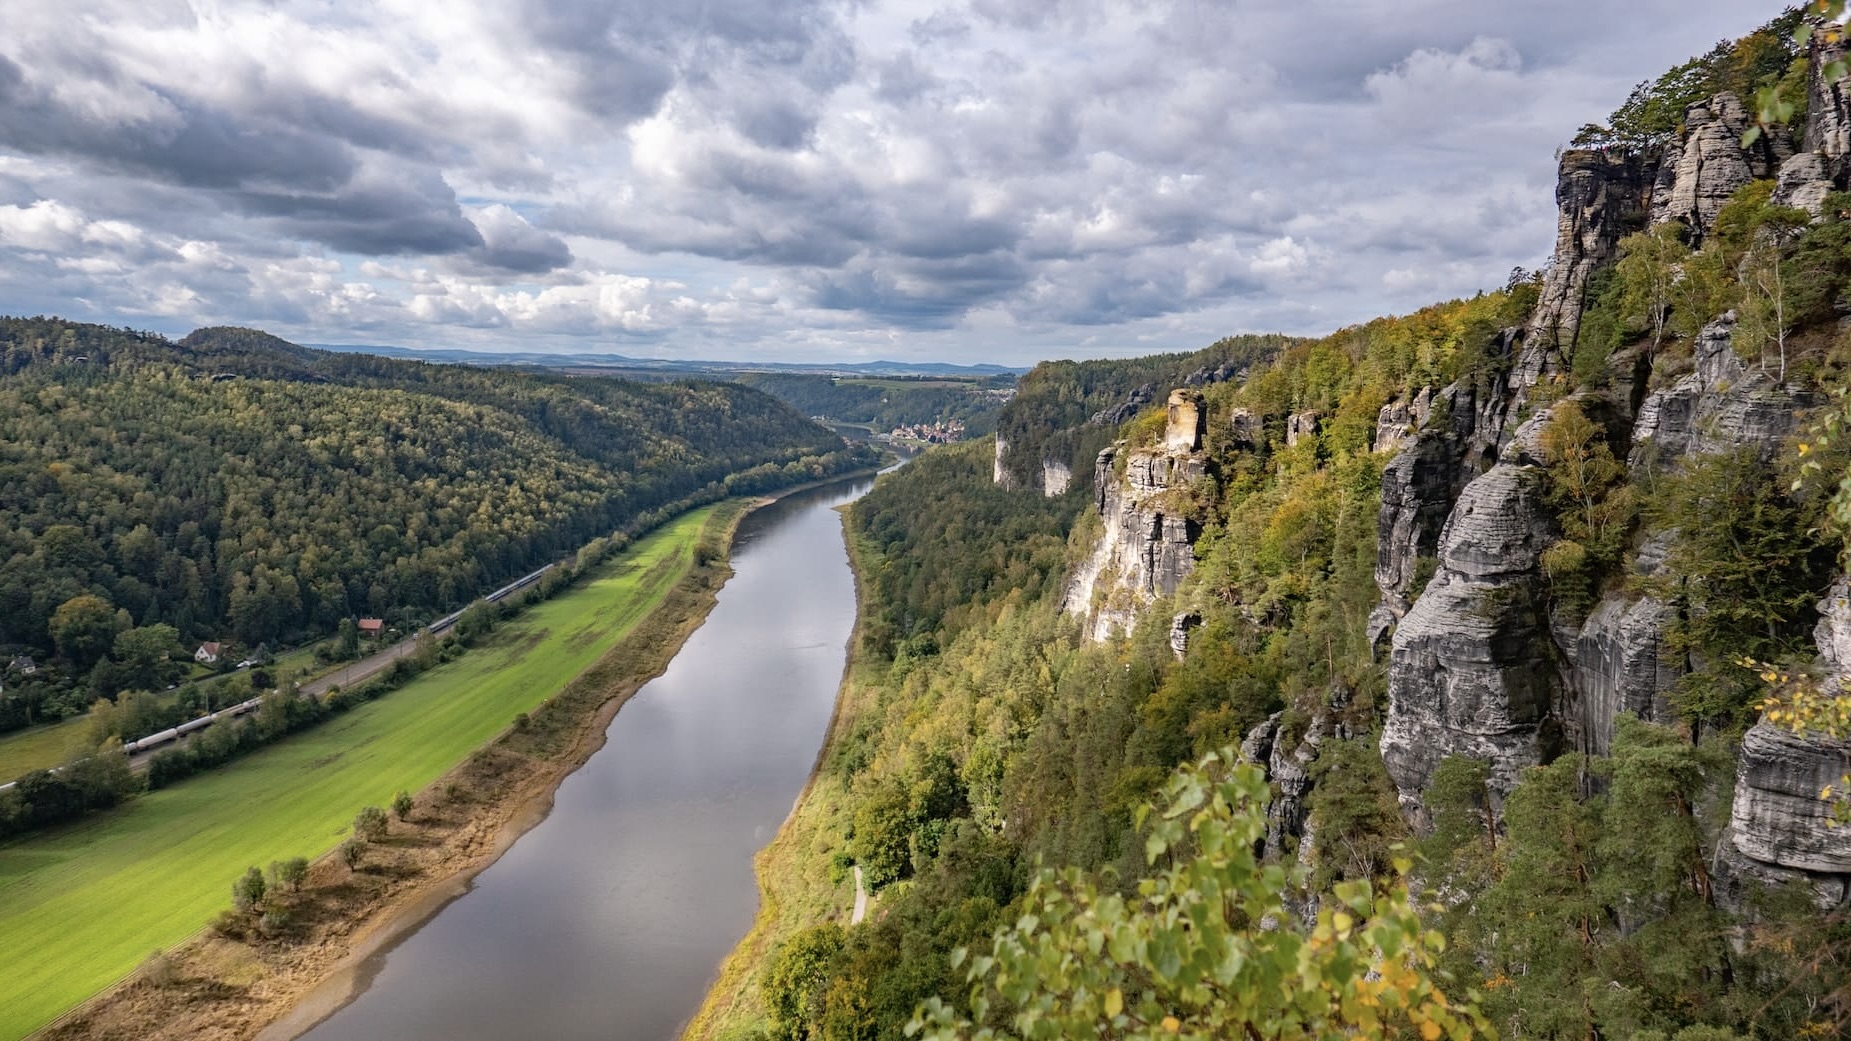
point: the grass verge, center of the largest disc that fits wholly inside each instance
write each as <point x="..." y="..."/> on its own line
<point x="80" y="907"/>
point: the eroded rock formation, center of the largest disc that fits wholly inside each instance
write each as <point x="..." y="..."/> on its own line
<point x="1147" y="547"/>
<point x="1778" y="823"/>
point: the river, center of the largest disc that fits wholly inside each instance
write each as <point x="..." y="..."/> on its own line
<point x="608" y="919"/>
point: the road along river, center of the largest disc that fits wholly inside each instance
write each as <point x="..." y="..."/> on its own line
<point x="608" y="920"/>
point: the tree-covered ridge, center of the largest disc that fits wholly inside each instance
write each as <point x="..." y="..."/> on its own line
<point x="1048" y="417"/>
<point x="1766" y="59"/>
<point x="886" y="402"/>
<point x="235" y="486"/>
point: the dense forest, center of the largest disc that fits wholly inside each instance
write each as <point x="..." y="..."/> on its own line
<point x="985" y="739"/>
<point x="234" y="487"/>
<point x="886" y="402"/>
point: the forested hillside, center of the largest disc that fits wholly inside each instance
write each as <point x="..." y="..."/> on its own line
<point x="886" y="402"/>
<point x="1475" y="593"/>
<point x="235" y="487"/>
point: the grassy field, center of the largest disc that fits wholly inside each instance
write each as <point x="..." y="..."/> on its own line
<point x="81" y="907"/>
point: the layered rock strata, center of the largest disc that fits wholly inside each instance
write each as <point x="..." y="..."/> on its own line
<point x="1778" y="825"/>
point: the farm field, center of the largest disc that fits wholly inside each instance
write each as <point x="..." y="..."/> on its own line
<point x="82" y="906"/>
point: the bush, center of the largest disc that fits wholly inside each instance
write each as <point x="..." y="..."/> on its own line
<point x="401" y="805"/>
<point x="353" y="851"/>
<point x="370" y="824"/>
<point x="158" y="970"/>
<point x="292" y="873"/>
<point x="247" y="893"/>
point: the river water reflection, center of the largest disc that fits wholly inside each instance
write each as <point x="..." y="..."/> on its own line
<point x="608" y="920"/>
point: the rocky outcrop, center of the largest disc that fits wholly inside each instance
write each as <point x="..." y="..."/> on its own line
<point x="1600" y="197"/>
<point x="1473" y="670"/>
<point x="1805" y="180"/>
<point x="1126" y="410"/>
<point x="1180" y="627"/>
<point x="1148" y="545"/>
<point x="1001" y="477"/>
<point x="1778" y="818"/>
<point x="1708" y="164"/>
<point x="1249" y="430"/>
<point x="1828" y="105"/>
<point x="1185" y="423"/>
<point x="1299" y="426"/>
<point x="1419" y="487"/>
<point x="1621" y="664"/>
<point x="1778" y="823"/>
<point x="1056" y="477"/>
<point x="1399" y="421"/>
<point x="1724" y="403"/>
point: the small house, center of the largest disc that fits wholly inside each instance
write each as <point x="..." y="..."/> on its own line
<point x="24" y="665"/>
<point x="372" y="627"/>
<point x="208" y="653"/>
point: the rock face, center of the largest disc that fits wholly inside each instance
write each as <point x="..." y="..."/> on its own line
<point x="1419" y="487"/>
<point x="1473" y="670"/>
<point x="1777" y="824"/>
<point x="1147" y="547"/>
<point x="1724" y="403"/>
<point x="1000" y="476"/>
<point x="1249" y="430"/>
<point x="1621" y="664"/>
<point x="1600" y="197"/>
<point x="1055" y="477"/>
<point x="1119" y="414"/>
<point x="1184" y="426"/>
<point x="1828" y="107"/>
<point x="1180" y="627"/>
<point x="1300" y="425"/>
<point x="1397" y="424"/>
<point x="1708" y="164"/>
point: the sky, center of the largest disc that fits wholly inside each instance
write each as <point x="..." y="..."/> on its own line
<point x="797" y="180"/>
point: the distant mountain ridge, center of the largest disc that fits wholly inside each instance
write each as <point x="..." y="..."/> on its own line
<point x="556" y="360"/>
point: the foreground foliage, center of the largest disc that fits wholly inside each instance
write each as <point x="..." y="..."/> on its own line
<point x="1209" y="947"/>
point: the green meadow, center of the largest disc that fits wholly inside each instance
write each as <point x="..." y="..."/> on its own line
<point x="82" y="906"/>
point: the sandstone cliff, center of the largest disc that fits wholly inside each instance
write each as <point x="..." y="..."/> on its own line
<point x="1477" y="665"/>
<point x="1146" y="548"/>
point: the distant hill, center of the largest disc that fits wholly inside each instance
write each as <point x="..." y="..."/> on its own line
<point x="237" y="486"/>
<point x="618" y="361"/>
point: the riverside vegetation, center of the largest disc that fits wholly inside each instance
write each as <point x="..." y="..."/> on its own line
<point x="1468" y="591"/>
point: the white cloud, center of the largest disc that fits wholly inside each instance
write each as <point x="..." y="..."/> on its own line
<point x="999" y="179"/>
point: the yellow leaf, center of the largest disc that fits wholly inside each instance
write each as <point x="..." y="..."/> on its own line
<point x="1114" y="1002"/>
<point x="1172" y="1024"/>
<point x="1430" y="1030"/>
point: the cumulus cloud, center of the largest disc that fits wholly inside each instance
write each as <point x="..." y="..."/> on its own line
<point x="996" y="178"/>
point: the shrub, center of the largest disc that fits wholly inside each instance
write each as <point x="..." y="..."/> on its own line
<point x="401" y="805"/>
<point x="370" y="824"/>
<point x="247" y="893"/>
